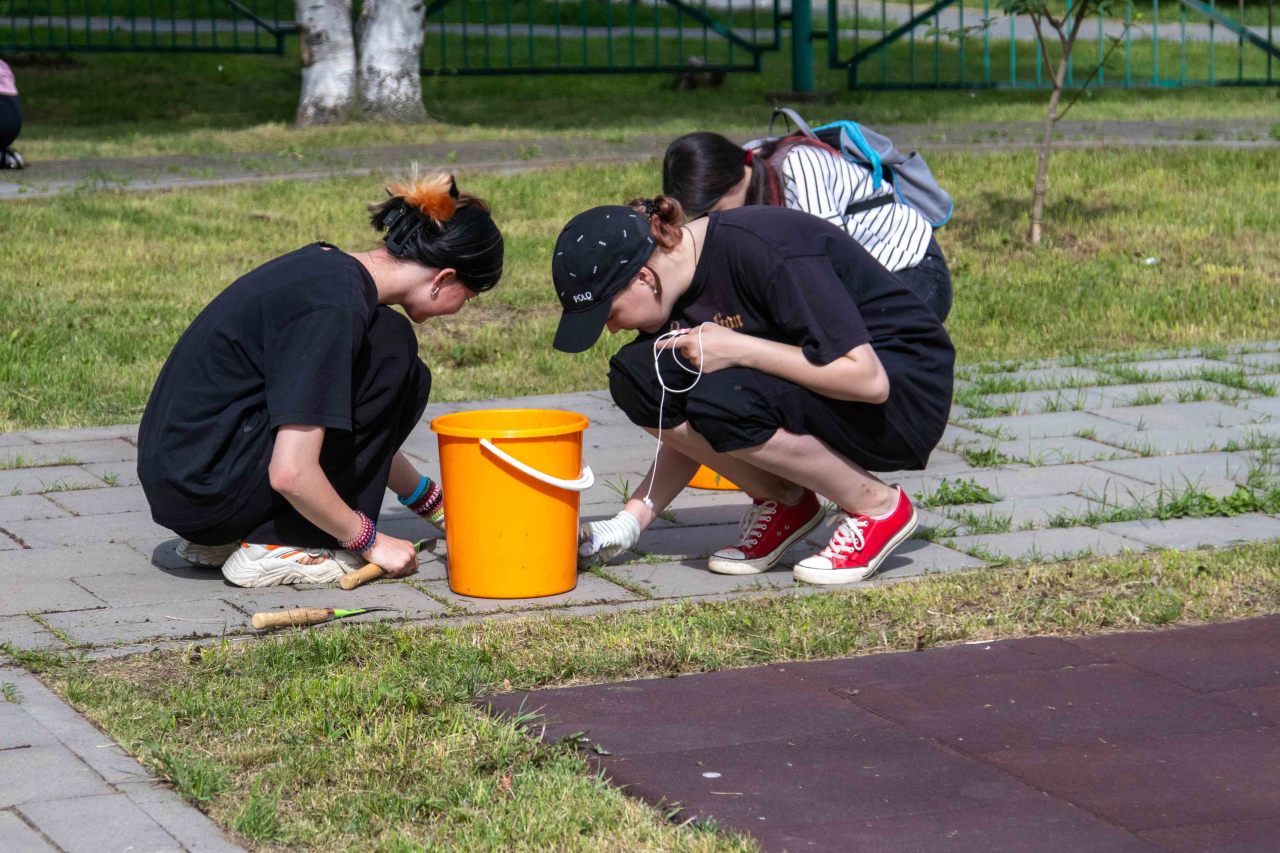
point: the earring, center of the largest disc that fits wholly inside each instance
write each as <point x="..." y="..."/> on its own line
<point x="435" y="291"/>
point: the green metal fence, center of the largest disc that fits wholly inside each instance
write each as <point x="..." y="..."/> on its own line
<point x="186" y="26"/>
<point x="973" y="44"/>
<point x="489" y="37"/>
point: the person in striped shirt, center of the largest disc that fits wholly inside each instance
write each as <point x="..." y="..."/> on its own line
<point x="706" y="172"/>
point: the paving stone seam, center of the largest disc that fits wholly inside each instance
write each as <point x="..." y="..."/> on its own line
<point x="22" y="818"/>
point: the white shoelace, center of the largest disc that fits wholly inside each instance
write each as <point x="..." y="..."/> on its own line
<point x="848" y="536"/>
<point x="755" y="522"/>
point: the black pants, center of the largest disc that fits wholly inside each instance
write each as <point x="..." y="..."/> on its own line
<point x="10" y="119"/>
<point x="930" y="280"/>
<point x="392" y="385"/>
<point x="737" y="408"/>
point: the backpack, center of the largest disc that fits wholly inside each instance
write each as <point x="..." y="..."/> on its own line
<point x="913" y="184"/>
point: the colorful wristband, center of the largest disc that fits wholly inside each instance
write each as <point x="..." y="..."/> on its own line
<point x="427" y="501"/>
<point x="364" y="541"/>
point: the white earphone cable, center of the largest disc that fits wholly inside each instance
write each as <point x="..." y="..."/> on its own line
<point x="657" y="369"/>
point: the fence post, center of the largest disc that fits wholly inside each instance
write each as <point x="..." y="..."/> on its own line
<point x="802" y="46"/>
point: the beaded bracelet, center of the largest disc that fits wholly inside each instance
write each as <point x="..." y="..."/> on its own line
<point x="427" y="501"/>
<point x="364" y="541"/>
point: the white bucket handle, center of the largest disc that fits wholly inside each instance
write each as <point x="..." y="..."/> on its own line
<point x="585" y="481"/>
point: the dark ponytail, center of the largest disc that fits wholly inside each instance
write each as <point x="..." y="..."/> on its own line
<point x="429" y="222"/>
<point x="699" y="168"/>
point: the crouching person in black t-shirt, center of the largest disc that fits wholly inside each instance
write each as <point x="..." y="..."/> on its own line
<point x="803" y="363"/>
<point x="276" y="424"/>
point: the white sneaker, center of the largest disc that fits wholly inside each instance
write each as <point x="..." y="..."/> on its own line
<point x="271" y="565"/>
<point x="207" y="556"/>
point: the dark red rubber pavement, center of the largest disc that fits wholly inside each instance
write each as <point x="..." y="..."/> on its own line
<point x="1160" y="740"/>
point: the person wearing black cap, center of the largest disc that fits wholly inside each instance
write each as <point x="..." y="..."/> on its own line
<point x="772" y="349"/>
<point x="275" y="426"/>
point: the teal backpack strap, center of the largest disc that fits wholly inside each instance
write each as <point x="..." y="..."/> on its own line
<point x="850" y="130"/>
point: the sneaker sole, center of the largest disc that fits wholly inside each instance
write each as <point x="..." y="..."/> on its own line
<point x="725" y="566"/>
<point x="834" y="576"/>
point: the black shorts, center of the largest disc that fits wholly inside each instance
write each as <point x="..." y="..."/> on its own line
<point x="737" y="408"/>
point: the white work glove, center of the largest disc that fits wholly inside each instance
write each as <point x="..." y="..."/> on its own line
<point x="607" y="539"/>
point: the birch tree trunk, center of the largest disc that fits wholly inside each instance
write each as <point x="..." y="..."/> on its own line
<point x="328" y="61"/>
<point x="390" y="33"/>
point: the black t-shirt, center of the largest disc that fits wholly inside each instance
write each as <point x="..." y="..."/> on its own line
<point x="791" y="277"/>
<point x="276" y="347"/>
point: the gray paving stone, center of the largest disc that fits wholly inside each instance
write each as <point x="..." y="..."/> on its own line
<point x="1049" y="401"/>
<point x="1181" y="440"/>
<point x="692" y="578"/>
<point x="18" y="729"/>
<point x="101" y="754"/>
<point x="106" y="501"/>
<point x="1199" y="532"/>
<point x="1269" y="406"/>
<point x="1176" y="368"/>
<point x="93" y="824"/>
<point x="196" y="832"/>
<point x="69" y="453"/>
<point x="955" y="437"/>
<point x="1194" y="415"/>
<point x="1059" y="450"/>
<point x="1047" y="545"/>
<point x="7" y="543"/>
<point x="1042" y="426"/>
<point x="1053" y="377"/>
<point x="147" y="584"/>
<point x="28" y="594"/>
<point x="44" y="772"/>
<point x="1188" y="390"/>
<point x="55" y="478"/>
<point x="114" y="473"/>
<point x="1182" y="471"/>
<point x="64" y="532"/>
<point x="688" y="542"/>
<point x="17" y="837"/>
<point x="28" y="507"/>
<point x="400" y="598"/>
<point x="917" y="557"/>
<point x="1034" y="511"/>
<point x="1049" y="480"/>
<point x="13" y="439"/>
<point x="1263" y="360"/>
<point x="39" y="581"/>
<point x="23" y="632"/>
<point x="590" y="589"/>
<point x="178" y="620"/>
<point x="43" y="436"/>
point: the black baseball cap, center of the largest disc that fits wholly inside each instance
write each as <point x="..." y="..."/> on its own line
<point x="596" y="255"/>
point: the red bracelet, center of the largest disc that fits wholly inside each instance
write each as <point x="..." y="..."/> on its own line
<point x="363" y="541"/>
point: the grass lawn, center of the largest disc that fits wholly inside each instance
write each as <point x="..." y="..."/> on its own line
<point x="87" y="105"/>
<point x="365" y="736"/>
<point x="86" y="324"/>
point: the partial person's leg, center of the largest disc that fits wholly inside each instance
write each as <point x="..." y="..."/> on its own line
<point x="821" y="446"/>
<point x="931" y="280"/>
<point x="10" y="127"/>
<point x="391" y="389"/>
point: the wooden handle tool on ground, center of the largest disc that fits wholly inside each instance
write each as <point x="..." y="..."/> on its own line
<point x="372" y="571"/>
<point x="297" y="616"/>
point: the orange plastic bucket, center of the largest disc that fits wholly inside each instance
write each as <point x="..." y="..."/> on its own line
<point x="705" y="478"/>
<point x="512" y="479"/>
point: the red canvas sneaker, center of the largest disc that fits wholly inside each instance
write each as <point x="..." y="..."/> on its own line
<point x="768" y="529"/>
<point x="859" y="545"/>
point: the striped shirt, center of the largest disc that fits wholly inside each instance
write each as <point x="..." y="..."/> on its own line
<point x="824" y="183"/>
